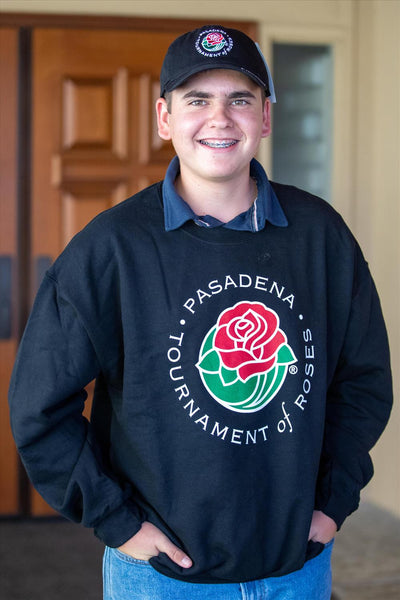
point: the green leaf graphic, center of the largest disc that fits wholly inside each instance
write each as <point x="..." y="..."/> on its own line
<point x="210" y="362"/>
<point x="279" y="379"/>
<point x="233" y="394"/>
<point x="228" y="376"/>
<point x="285" y="355"/>
<point x="208" y="343"/>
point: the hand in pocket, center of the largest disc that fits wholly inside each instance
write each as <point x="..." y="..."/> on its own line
<point x="323" y="529"/>
<point x="149" y="541"/>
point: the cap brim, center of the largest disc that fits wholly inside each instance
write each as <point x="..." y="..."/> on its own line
<point x="175" y="83"/>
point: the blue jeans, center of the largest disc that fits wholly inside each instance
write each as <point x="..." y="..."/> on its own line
<point x="126" y="578"/>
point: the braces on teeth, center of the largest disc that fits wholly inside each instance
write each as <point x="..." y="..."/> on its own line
<point x="218" y="144"/>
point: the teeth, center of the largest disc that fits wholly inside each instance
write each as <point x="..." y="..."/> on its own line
<point x="215" y="144"/>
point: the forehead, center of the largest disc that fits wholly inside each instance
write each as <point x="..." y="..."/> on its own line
<point x="219" y="79"/>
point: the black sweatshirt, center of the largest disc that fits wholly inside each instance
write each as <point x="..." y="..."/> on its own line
<point x="241" y="381"/>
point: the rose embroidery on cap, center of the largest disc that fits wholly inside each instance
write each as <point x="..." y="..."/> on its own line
<point x="244" y="358"/>
<point x="214" y="42"/>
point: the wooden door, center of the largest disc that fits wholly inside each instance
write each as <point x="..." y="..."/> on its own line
<point x="8" y="258"/>
<point x="94" y="133"/>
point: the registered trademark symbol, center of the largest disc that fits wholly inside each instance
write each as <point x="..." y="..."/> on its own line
<point x="293" y="369"/>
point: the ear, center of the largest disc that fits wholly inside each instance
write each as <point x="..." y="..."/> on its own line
<point x="163" y="119"/>
<point x="266" y="128"/>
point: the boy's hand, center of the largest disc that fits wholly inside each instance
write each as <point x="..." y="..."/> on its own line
<point x="323" y="528"/>
<point x="150" y="541"/>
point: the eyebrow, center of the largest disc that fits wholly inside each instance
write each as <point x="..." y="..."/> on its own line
<point x="208" y="95"/>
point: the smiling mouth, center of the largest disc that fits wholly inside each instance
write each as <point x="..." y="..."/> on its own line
<point x="218" y="143"/>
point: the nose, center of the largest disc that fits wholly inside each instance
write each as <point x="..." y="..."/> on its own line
<point x="219" y="116"/>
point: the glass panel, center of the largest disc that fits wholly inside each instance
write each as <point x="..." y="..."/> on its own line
<point x="302" y="117"/>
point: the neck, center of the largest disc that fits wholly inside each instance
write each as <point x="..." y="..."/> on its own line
<point x="220" y="199"/>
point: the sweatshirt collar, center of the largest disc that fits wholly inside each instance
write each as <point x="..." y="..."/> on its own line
<point x="265" y="208"/>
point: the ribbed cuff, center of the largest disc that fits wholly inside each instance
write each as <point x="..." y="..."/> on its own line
<point x="119" y="526"/>
<point x="339" y="507"/>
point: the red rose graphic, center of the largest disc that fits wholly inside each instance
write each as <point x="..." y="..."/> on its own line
<point x="214" y="38"/>
<point x="248" y="339"/>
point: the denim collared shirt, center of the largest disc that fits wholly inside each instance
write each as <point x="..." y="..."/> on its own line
<point x="266" y="207"/>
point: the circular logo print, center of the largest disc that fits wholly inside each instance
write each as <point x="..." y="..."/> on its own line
<point x="214" y="43"/>
<point x="244" y="358"/>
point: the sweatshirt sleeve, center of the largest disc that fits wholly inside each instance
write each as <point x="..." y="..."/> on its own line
<point x="55" y="361"/>
<point x="359" y="401"/>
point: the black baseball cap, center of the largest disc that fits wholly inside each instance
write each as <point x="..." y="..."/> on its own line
<point x="213" y="47"/>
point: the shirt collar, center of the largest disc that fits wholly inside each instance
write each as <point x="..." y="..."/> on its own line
<point x="265" y="208"/>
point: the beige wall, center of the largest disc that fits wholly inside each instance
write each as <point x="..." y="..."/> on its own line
<point x="377" y="195"/>
<point x="366" y="42"/>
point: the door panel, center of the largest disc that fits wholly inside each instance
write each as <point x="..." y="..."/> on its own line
<point x="91" y="96"/>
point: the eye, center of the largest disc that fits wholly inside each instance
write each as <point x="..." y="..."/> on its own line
<point x="240" y="102"/>
<point x="197" y="103"/>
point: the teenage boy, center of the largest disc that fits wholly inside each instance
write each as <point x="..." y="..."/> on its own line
<point x="240" y="356"/>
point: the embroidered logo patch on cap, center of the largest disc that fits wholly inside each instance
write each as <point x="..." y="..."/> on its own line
<point x="214" y="43"/>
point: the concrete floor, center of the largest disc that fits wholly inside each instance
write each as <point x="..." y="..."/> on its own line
<point x="366" y="556"/>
